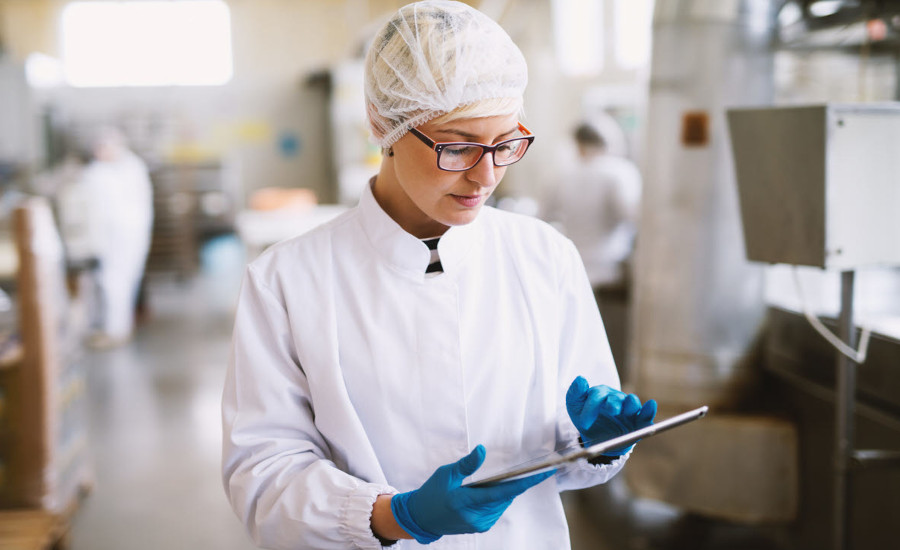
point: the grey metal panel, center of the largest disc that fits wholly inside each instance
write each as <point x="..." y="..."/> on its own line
<point x="819" y="184"/>
<point x="779" y="157"/>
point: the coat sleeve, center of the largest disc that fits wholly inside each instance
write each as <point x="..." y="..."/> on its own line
<point x="276" y="466"/>
<point x="584" y="350"/>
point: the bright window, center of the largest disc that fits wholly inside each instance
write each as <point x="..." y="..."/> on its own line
<point x="634" y="20"/>
<point x="147" y="43"/>
<point x="578" y="33"/>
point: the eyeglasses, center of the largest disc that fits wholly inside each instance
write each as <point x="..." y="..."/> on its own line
<point x="459" y="156"/>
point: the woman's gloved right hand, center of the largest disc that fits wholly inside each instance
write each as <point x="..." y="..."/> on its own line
<point x="441" y="506"/>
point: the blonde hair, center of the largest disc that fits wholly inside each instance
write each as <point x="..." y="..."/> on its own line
<point x="498" y="106"/>
<point x="480" y="109"/>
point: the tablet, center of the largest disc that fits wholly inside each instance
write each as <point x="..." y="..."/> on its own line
<point x="578" y="452"/>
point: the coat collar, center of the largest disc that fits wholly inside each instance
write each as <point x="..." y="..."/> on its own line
<point x="408" y="253"/>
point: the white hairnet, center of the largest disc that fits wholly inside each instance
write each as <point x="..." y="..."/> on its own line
<point x="433" y="57"/>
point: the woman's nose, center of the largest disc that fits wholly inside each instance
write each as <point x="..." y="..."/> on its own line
<point x="483" y="173"/>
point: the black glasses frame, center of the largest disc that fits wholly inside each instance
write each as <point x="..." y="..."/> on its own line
<point x="439" y="147"/>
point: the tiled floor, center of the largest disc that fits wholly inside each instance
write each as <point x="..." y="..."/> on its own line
<point x="154" y="411"/>
<point x="155" y="428"/>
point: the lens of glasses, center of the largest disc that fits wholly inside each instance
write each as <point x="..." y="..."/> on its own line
<point x="463" y="157"/>
<point x="459" y="157"/>
<point x="510" y="152"/>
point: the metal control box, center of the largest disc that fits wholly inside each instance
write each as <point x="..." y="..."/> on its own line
<point x="819" y="185"/>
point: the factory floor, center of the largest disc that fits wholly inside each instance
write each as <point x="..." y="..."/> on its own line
<point x="155" y="432"/>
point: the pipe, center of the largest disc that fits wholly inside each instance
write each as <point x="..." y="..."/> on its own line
<point x="844" y="415"/>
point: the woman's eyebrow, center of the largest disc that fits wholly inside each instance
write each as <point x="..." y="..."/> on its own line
<point x="471" y="137"/>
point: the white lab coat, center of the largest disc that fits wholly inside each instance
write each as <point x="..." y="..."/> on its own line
<point x="596" y="205"/>
<point x="117" y="201"/>
<point x="354" y="375"/>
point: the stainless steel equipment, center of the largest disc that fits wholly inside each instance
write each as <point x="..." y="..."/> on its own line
<point x="818" y="186"/>
<point x="818" y="183"/>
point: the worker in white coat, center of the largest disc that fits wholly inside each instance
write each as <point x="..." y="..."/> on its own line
<point x="107" y="214"/>
<point x="595" y="203"/>
<point x="421" y="338"/>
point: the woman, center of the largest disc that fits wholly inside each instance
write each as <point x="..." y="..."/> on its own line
<point x="382" y="358"/>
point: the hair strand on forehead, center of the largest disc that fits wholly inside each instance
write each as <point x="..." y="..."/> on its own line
<point x="499" y="106"/>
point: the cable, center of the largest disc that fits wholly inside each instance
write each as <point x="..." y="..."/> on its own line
<point x="859" y="356"/>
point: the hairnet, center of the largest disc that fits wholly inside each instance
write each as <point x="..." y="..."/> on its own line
<point x="433" y="57"/>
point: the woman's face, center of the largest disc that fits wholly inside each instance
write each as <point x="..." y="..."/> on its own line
<point x="426" y="200"/>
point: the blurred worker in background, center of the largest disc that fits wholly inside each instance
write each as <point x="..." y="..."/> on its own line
<point x="596" y="204"/>
<point x="107" y="214"/>
<point x="384" y="357"/>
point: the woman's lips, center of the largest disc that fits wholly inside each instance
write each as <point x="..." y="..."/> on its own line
<point x="469" y="201"/>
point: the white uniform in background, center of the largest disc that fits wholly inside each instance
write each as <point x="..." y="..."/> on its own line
<point x="596" y="205"/>
<point x="354" y="375"/>
<point x="120" y="196"/>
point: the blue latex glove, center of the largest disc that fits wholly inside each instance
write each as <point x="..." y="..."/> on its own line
<point x="442" y="507"/>
<point x="602" y="413"/>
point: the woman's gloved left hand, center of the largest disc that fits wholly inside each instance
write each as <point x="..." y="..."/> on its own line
<point x="601" y="413"/>
<point x="442" y="506"/>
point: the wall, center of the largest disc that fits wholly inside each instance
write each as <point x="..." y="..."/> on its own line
<point x="277" y="45"/>
<point x="554" y="103"/>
